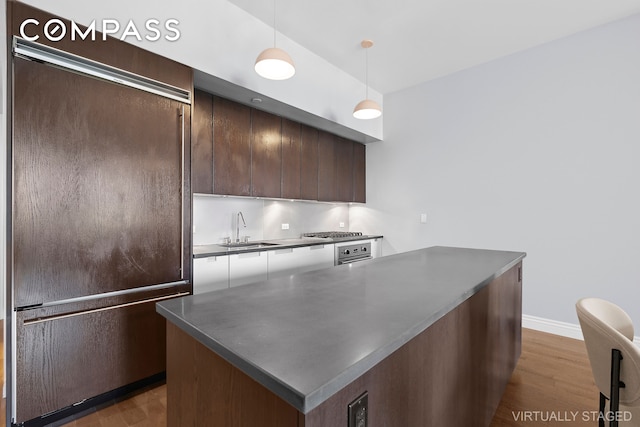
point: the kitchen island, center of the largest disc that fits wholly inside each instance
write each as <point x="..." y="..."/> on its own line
<point x="431" y="336"/>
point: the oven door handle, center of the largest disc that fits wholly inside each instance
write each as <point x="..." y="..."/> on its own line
<point x="351" y="261"/>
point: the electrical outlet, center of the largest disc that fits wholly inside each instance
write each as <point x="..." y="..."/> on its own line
<point x="358" y="411"/>
<point x="342" y="225"/>
<point x="423" y="218"/>
<point x="285" y="226"/>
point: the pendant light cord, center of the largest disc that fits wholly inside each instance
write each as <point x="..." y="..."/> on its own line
<point x="366" y="72"/>
<point x="274" y="23"/>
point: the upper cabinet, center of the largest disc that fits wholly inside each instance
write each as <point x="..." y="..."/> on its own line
<point x="202" y="143"/>
<point x="344" y="169"/>
<point x="241" y="151"/>
<point x="291" y="160"/>
<point x="327" y="167"/>
<point x="308" y="163"/>
<point x="231" y="148"/>
<point x="266" y="154"/>
<point x="359" y="173"/>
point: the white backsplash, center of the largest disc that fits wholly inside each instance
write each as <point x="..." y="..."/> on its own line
<point x="214" y="218"/>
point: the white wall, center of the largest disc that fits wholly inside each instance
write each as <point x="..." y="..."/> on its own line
<point x="535" y="152"/>
<point x="223" y="40"/>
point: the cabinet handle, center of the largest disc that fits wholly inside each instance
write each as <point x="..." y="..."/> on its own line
<point x="249" y="255"/>
<point x="284" y="251"/>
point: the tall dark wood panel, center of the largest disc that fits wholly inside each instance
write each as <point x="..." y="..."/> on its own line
<point x="309" y="163"/>
<point x="327" y="167"/>
<point x="359" y="173"/>
<point x="202" y="143"/>
<point x="100" y="203"/>
<point x="290" y="159"/>
<point x="231" y="148"/>
<point x="344" y="169"/>
<point x="266" y="154"/>
<point x="84" y="188"/>
<point x="97" y="208"/>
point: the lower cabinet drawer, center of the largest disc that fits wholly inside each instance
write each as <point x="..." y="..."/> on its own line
<point x="247" y="268"/>
<point x="210" y="274"/>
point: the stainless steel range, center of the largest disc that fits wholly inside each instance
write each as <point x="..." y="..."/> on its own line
<point x="348" y="254"/>
<point x="335" y="235"/>
<point x="347" y="249"/>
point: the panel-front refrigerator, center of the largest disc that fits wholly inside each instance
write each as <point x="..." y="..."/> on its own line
<point x="97" y="229"/>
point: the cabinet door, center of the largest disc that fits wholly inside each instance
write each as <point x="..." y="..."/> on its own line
<point x="66" y="360"/>
<point x="231" y="148"/>
<point x="247" y="268"/>
<point x="97" y="185"/>
<point x="202" y="143"/>
<point x="316" y="257"/>
<point x="359" y="173"/>
<point x="266" y="154"/>
<point x="308" y="163"/>
<point x="326" y="167"/>
<point x="283" y="262"/>
<point x="344" y="170"/>
<point x="376" y="248"/>
<point x="290" y="159"/>
<point x="210" y="274"/>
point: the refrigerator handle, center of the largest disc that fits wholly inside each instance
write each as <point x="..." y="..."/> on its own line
<point x="182" y="129"/>
<point x="97" y="310"/>
<point x="103" y="295"/>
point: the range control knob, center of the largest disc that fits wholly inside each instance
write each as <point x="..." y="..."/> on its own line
<point x="346" y="252"/>
<point x="364" y="249"/>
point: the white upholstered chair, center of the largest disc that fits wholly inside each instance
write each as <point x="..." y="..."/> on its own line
<point x="614" y="358"/>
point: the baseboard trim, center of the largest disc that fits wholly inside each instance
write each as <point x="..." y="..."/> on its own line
<point x="564" y="329"/>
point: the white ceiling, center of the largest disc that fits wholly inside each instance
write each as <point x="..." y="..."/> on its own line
<point x="419" y="40"/>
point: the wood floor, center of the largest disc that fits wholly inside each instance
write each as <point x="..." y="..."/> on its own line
<point x="551" y="383"/>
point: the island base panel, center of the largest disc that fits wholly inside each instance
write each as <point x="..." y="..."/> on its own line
<point x="204" y="390"/>
<point x="453" y="373"/>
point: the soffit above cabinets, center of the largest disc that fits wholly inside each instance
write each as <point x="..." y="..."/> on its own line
<point x="419" y="40"/>
<point x="242" y="95"/>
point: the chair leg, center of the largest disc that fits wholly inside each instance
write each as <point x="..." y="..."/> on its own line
<point x="616" y="385"/>
<point x="603" y="402"/>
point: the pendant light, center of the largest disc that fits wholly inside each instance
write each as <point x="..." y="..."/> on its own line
<point x="368" y="108"/>
<point x="274" y="63"/>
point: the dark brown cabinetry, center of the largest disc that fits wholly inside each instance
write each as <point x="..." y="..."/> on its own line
<point x="309" y="163"/>
<point x="359" y="173"/>
<point x="266" y="154"/>
<point x="100" y="218"/>
<point x="202" y="143"/>
<point x="327" y="167"/>
<point x="231" y="148"/>
<point x="291" y="169"/>
<point x="344" y="169"/>
<point x="238" y="150"/>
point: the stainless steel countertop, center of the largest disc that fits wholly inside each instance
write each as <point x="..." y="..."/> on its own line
<point x="307" y="336"/>
<point x="203" y="251"/>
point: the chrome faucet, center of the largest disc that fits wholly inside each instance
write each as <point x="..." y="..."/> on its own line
<point x="238" y="225"/>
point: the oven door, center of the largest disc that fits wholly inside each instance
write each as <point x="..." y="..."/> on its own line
<point x="352" y="251"/>
<point x="354" y="260"/>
